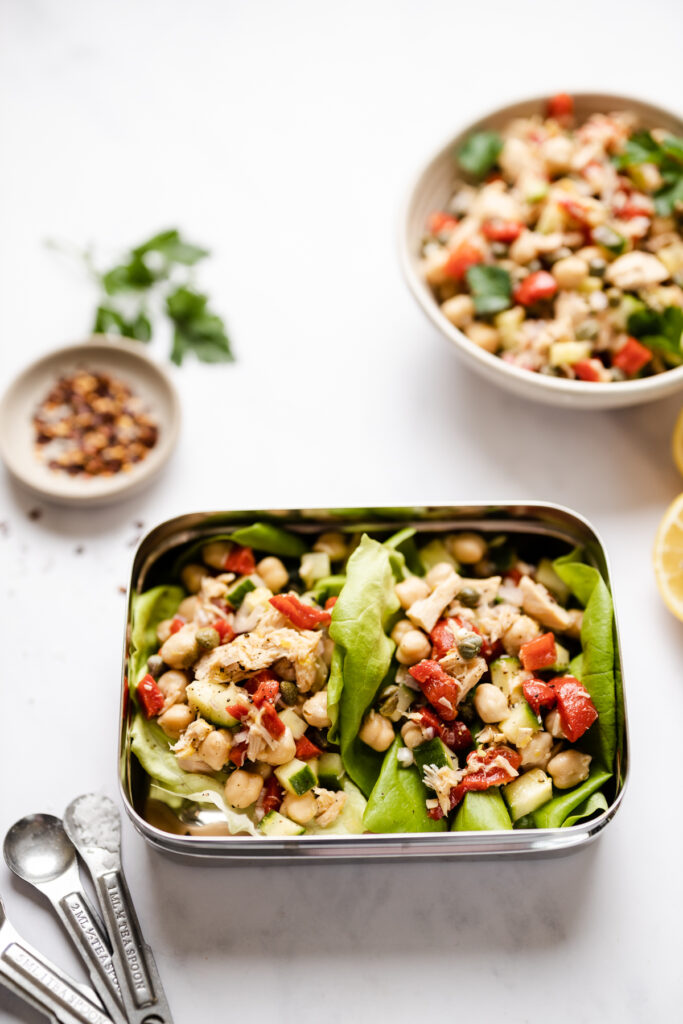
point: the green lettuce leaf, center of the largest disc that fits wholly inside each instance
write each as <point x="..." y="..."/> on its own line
<point x="597" y="663"/>
<point x="358" y="628"/>
<point x="335" y="684"/>
<point x="491" y="289"/>
<point x="481" y="812"/>
<point x="148" y="610"/>
<point x="404" y="544"/>
<point x="271" y="540"/>
<point x="479" y="153"/>
<point x="397" y="802"/>
<point x="556" y="811"/>
<point x="350" y="821"/>
<point x="595" y="802"/>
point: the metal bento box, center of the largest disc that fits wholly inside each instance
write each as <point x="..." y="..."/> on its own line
<point x="554" y="528"/>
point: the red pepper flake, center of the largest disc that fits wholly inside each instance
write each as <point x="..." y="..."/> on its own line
<point x="92" y="424"/>
<point x="301" y="615"/>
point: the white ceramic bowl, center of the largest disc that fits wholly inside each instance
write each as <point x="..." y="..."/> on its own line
<point x="433" y="189"/>
<point x="119" y="357"/>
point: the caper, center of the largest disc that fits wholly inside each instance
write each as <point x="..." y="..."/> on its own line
<point x="468" y="596"/>
<point x="288" y="691"/>
<point x="613" y="296"/>
<point x="558" y="254"/>
<point x="207" y="638"/>
<point x="499" y="249"/>
<point x="469" y="646"/>
<point x="534" y="265"/>
<point x="587" y="331"/>
<point x="155" y="665"/>
<point x="389" y="705"/>
<point x="597" y="267"/>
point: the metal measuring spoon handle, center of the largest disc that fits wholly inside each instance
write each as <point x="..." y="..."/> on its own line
<point x="42" y="984"/>
<point x="93" y="824"/>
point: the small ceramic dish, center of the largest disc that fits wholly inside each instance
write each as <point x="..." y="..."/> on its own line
<point x="121" y="359"/>
<point x="432" y="190"/>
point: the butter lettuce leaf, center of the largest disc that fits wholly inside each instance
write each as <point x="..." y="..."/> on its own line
<point x="557" y="811"/>
<point x="148" y="610"/>
<point x="358" y="627"/>
<point x="482" y="812"/>
<point x="397" y="802"/>
<point x="350" y="821"/>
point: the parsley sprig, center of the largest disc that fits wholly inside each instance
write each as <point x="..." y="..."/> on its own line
<point x="667" y="155"/>
<point x="154" y="280"/>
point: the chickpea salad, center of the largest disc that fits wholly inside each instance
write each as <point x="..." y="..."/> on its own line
<point x="349" y="683"/>
<point x="561" y="249"/>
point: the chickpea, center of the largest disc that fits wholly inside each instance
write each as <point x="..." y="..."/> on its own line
<point x="164" y="630"/>
<point x="333" y="544"/>
<point x="484" y="336"/>
<point x="520" y="632"/>
<point x="491" y="703"/>
<point x="414" y="646"/>
<point x="377" y="732"/>
<point x="402" y="627"/>
<point x="300" y="809"/>
<point x="315" y="710"/>
<point x="438" y="573"/>
<point x="263" y="769"/>
<point x="537" y="752"/>
<point x="173" y="685"/>
<point x="192" y="576"/>
<point x="411" y="590"/>
<point x="273" y="573"/>
<point x="468" y="548"/>
<point x="243" y="789"/>
<point x="187" y="608"/>
<point x="553" y="725"/>
<point x="216" y="553"/>
<point x="459" y="310"/>
<point x="175" y="720"/>
<point x="283" y="751"/>
<point x="181" y="649"/>
<point x="570" y="272"/>
<point x="215" y="748"/>
<point x="412" y="734"/>
<point x="569" y="768"/>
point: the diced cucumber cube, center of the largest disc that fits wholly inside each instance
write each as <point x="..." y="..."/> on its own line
<point x="275" y="824"/>
<point x="211" y="700"/>
<point x="315" y="565"/>
<point x="520" y="725"/>
<point x="482" y="812"/>
<point x="296" y="777"/>
<point x="434" y="553"/>
<point x="507" y="675"/>
<point x="546" y="575"/>
<point x="238" y="593"/>
<point x="528" y="792"/>
<point x="566" y="353"/>
<point x="562" y="659"/>
<point x="432" y="751"/>
<point x="294" y="722"/>
<point x="330" y="771"/>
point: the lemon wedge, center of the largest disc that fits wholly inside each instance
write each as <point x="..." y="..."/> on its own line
<point x="668" y="557"/>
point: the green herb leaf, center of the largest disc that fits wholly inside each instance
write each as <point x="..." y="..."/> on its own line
<point x="640" y="148"/>
<point x="491" y="289"/>
<point x="110" y="321"/>
<point x="669" y="198"/>
<point x="196" y="329"/>
<point x="173" y="248"/>
<point x="480" y="152"/>
<point x="661" y="332"/>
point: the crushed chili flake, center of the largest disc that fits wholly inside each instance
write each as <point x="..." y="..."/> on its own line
<point x="91" y="423"/>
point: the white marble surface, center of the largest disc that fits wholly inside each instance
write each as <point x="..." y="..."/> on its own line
<point x="284" y="136"/>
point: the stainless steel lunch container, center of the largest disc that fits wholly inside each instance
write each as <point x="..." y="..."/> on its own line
<point x="151" y="566"/>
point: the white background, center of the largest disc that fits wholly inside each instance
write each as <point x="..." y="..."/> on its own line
<point x="284" y="136"/>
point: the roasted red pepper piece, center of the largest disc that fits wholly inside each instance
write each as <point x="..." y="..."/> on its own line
<point x="264" y="676"/>
<point x="240" y="560"/>
<point x="272" y="721"/>
<point x="150" y="696"/>
<point x="502" y="230"/>
<point x="635" y="208"/>
<point x="272" y="794"/>
<point x="482" y="774"/>
<point x="456" y="735"/>
<point x="539" y="653"/>
<point x="330" y="603"/>
<point x="440" y="221"/>
<point x="305" y="749"/>
<point x="631" y="357"/>
<point x="238" y="711"/>
<point x="588" y="369"/>
<point x="576" y="709"/>
<point x="267" y="691"/>
<point x="238" y="753"/>
<point x="224" y="630"/>
<point x="561" y="106"/>
<point x="440" y="689"/>
<point x="301" y="615"/>
<point x="176" y="624"/>
<point x="443" y="639"/>
<point x="537" y="286"/>
<point x="538" y="694"/>
<point x="461" y="259"/>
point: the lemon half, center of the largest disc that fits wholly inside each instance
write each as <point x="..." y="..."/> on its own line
<point x="668" y="557"/>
